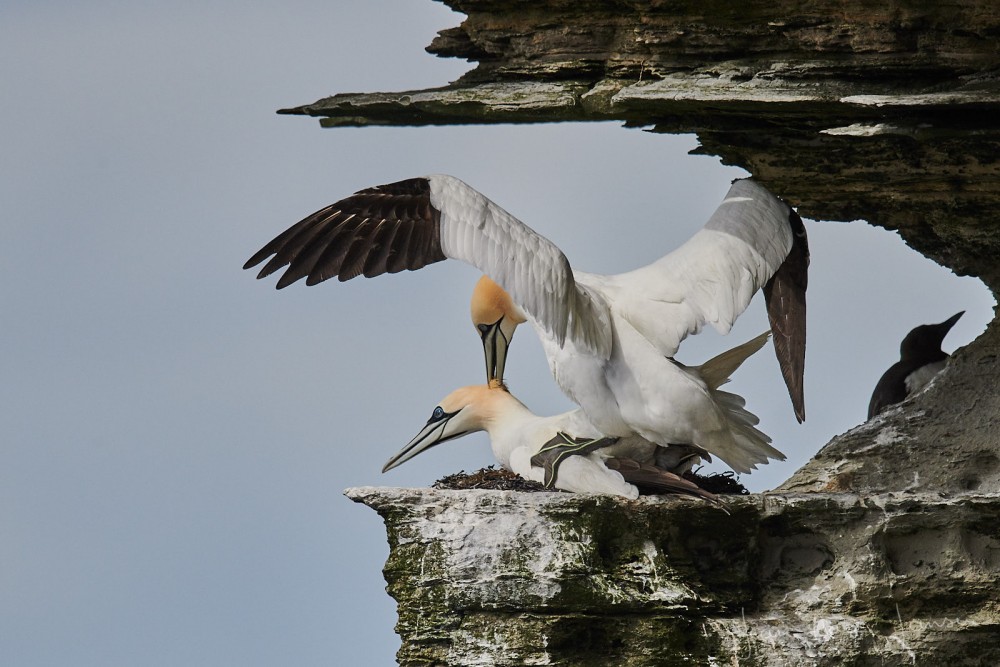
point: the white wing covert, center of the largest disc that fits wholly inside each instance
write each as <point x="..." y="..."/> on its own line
<point x="528" y="266"/>
<point x="714" y="275"/>
<point x="409" y="224"/>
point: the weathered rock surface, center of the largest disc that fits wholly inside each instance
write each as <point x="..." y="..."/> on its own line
<point x="514" y="578"/>
<point x="888" y="113"/>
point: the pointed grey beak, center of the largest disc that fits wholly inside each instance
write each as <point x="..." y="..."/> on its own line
<point x="430" y="435"/>
<point x="495" y="345"/>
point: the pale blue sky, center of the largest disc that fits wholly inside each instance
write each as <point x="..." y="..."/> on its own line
<point x="175" y="436"/>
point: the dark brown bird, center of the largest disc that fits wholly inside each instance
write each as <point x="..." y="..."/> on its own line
<point x="920" y="359"/>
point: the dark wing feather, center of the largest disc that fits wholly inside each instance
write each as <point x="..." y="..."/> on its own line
<point x="650" y="478"/>
<point x="377" y="230"/>
<point x="377" y="261"/>
<point x="396" y="261"/>
<point x="891" y="387"/>
<point x="286" y="246"/>
<point x="333" y="250"/>
<point x="785" y="296"/>
<point x="302" y="262"/>
<point x="551" y="455"/>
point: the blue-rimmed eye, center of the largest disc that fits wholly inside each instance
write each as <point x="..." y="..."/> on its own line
<point x="437" y="414"/>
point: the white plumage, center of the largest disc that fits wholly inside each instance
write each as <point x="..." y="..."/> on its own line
<point x="608" y="339"/>
<point x="517" y="435"/>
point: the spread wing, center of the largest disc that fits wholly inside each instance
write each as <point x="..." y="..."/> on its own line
<point x="753" y="239"/>
<point x="412" y="223"/>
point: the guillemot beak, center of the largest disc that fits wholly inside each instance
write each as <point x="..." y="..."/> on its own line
<point x="495" y="344"/>
<point x="945" y="327"/>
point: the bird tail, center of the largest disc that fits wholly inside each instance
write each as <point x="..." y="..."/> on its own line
<point x="747" y="447"/>
<point x="716" y="371"/>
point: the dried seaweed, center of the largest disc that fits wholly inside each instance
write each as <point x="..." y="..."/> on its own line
<point x="719" y="483"/>
<point x="497" y="479"/>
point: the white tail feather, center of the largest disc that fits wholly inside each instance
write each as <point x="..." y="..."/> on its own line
<point x="747" y="447"/>
<point x="716" y="371"/>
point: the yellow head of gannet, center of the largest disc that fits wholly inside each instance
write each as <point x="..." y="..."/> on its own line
<point x="495" y="316"/>
<point x="463" y="411"/>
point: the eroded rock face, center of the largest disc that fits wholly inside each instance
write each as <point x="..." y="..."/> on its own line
<point x="514" y="578"/>
<point x="619" y="39"/>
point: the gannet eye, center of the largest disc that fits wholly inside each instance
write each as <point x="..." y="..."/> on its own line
<point x="483" y="328"/>
<point x="438" y="414"/>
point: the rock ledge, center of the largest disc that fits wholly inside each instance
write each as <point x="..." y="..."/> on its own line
<point x="513" y="578"/>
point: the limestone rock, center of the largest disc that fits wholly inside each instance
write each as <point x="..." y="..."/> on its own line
<point x="513" y="578"/>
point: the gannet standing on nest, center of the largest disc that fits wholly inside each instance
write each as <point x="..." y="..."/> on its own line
<point x="609" y="339"/>
<point x="565" y="451"/>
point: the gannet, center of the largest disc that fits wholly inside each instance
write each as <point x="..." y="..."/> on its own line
<point x="609" y="339"/>
<point x="566" y="451"/>
<point x="920" y="359"/>
<point x="517" y="434"/>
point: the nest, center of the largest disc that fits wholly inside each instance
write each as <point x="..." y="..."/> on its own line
<point x="498" y="479"/>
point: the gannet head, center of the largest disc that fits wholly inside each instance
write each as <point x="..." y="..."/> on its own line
<point x="461" y="412"/>
<point x="495" y="316"/>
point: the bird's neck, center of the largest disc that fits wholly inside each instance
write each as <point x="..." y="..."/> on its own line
<point x="504" y="412"/>
<point x="509" y="423"/>
<point x="923" y="356"/>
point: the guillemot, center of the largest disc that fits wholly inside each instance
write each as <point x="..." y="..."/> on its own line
<point x="920" y="359"/>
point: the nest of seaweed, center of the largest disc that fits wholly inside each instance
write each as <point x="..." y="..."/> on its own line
<point x="497" y="479"/>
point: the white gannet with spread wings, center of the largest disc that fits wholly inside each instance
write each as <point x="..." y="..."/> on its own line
<point x="565" y="451"/>
<point x="609" y="339"/>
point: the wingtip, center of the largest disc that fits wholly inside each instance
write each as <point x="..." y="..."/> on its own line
<point x="287" y="278"/>
<point x="256" y="259"/>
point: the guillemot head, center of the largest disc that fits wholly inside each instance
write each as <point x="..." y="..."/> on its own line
<point x="924" y="342"/>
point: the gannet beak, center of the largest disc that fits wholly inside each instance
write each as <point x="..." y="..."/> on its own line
<point x="495" y="343"/>
<point x="434" y="433"/>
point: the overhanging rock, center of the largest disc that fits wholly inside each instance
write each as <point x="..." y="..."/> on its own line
<point x="887" y="113"/>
